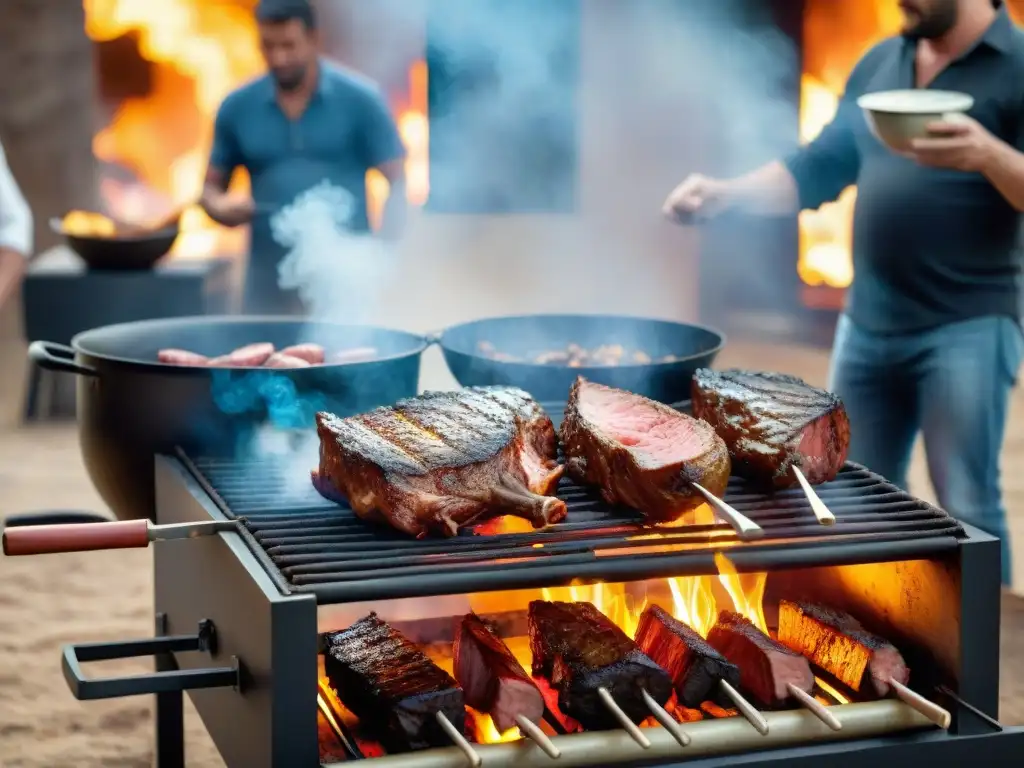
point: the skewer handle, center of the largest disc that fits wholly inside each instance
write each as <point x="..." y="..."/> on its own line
<point x="627" y="725"/>
<point x="823" y="513"/>
<point x="533" y="732"/>
<point x="815" y="707"/>
<point x="667" y="721"/>
<point x="459" y="740"/>
<point x="929" y="709"/>
<point x="746" y="709"/>
<point x="745" y="528"/>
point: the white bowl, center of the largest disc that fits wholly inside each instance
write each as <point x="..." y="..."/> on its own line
<point x="898" y="117"/>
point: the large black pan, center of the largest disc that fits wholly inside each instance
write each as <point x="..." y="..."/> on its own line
<point x="525" y="337"/>
<point x="131" y="407"/>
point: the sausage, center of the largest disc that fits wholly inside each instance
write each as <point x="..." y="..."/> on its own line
<point x="354" y="355"/>
<point x="181" y="357"/>
<point x="311" y="353"/>
<point x="249" y="356"/>
<point x="281" y="360"/>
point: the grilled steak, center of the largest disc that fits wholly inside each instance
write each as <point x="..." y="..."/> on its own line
<point x="391" y="686"/>
<point x="579" y="650"/>
<point x="766" y="667"/>
<point x="639" y="452"/>
<point x="837" y="643"/>
<point x="444" y="460"/>
<point x="771" y="422"/>
<point x="694" y="666"/>
<point x="492" y="678"/>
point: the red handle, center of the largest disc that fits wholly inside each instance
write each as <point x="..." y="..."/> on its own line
<point x="80" y="537"/>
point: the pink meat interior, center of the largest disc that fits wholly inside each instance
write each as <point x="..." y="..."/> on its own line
<point x="659" y="437"/>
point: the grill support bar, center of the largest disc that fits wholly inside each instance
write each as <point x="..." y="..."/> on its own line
<point x="170" y="714"/>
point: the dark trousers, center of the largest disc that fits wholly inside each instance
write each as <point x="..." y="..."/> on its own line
<point x="952" y="385"/>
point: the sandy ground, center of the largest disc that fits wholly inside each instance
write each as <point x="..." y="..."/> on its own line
<point x="49" y="601"/>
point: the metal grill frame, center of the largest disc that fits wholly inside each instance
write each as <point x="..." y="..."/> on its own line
<point x="381" y="564"/>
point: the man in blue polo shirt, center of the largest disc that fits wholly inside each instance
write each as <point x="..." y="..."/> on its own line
<point x="304" y="123"/>
<point x="931" y="340"/>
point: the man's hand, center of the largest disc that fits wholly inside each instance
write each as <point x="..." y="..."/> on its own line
<point x="963" y="145"/>
<point x="229" y="210"/>
<point x="697" y="197"/>
<point x="12" y="267"/>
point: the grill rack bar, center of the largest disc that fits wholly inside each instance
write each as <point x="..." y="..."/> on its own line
<point x="311" y="545"/>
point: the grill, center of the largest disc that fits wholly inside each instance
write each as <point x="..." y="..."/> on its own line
<point x="240" y="616"/>
<point x="314" y="546"/>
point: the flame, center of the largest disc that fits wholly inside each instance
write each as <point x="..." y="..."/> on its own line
<point x="199" y="51"/>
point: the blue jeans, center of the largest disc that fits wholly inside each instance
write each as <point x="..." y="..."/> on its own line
<point x="950" y="383"/>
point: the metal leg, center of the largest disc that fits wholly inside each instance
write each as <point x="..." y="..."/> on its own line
<point x="170" y="714"/>
<point x="32" y="384"/>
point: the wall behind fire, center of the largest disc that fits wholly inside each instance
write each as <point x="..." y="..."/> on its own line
<point x="638" y="136"/>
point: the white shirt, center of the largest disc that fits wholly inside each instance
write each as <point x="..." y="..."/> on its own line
<point x="15" y="215"/>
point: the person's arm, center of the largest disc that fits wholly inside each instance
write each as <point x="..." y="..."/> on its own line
<point x="15" y="231"/>
<point x="384" y="151"/>
<point x="1005" y="170"/>
<point x="225" y="157"/>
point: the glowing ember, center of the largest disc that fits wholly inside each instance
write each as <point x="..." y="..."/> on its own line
<point x="200" y="51"/>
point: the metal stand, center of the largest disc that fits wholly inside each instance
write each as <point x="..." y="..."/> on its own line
<point x="170" y="712"/>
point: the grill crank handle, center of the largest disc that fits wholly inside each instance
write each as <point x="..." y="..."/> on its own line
<point x="746" y="529"/>
<point x="87" y="537"/>
<point x="823" y="513"/>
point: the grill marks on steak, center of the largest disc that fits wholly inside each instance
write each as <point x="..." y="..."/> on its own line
<point x="579" y="650"/>
<point x="492" y="678"/>
<point x="766" y="667"/>
<point x="391" y="686"/>
<point x="443" y="460"/>
<point x="639" y="452"/>
<point x="771" y="422"/>
<point x="837" y="643"/>
<point x="694" y="666"/>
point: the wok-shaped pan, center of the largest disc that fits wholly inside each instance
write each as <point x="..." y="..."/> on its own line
<point x="131" y="407"/>
<point x="525" y="337"/>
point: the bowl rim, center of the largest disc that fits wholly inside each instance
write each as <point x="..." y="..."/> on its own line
<point x="959" y="102"/>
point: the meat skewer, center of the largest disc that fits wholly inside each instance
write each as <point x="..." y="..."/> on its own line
<point x="392" y="687"/>
<point x="698" y="671"/>
<point x="647" y="455"/>
<point x="839" y="644"/>
<point x="667" y="721"/>
<point x="770" y="671"/>
<point x="494" y="682"/>
<point x="599" y="672"/>
<point x="780" y="431"/>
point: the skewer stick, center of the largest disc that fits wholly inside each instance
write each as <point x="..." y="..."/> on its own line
<point x="929" y="709"/>
<point x="746" y="709"/>
<point x="815" y="707"/>
<point x="459" y="740"/>
<point x="627" y="725"/>
<point x="531" y="731"/>
<point x="667" y="721"/>
<point x="745" y="528"/>
<point x="823" y="513"/>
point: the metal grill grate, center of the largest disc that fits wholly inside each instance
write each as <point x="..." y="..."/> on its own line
<point x="315" y="546"/>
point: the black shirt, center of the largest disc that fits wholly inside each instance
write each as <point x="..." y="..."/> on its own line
<point x="930" y="246"/>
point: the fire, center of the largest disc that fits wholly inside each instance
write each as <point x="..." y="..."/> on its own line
<point x="199" y="52"/>
<point x="835" y="36"/>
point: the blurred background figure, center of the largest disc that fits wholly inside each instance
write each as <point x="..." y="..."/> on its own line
<point x="15" y="231"/>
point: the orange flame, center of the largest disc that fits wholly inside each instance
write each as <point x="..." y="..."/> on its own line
<point x="200" y="51"/>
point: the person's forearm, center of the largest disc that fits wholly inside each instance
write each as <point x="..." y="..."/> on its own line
<point x="215" y="203"/>
<point x="12" y="267"/>
<point x="768" y="191"/>
<point x="1005" y="170"/>
<point x="393" y="220"/>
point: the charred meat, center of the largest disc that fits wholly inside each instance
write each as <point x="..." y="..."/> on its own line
<point x="443" y="460"/>
<point x="694" y="666"/>
<point x="836" y="642"/>
<point x="766" y="667"/>
<point x="579" y="650"/>
<point x="391" y="686"/>
<point x="772" y="422"/>
<point x="639" y="452"/>
<point x="492" y="678"/>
